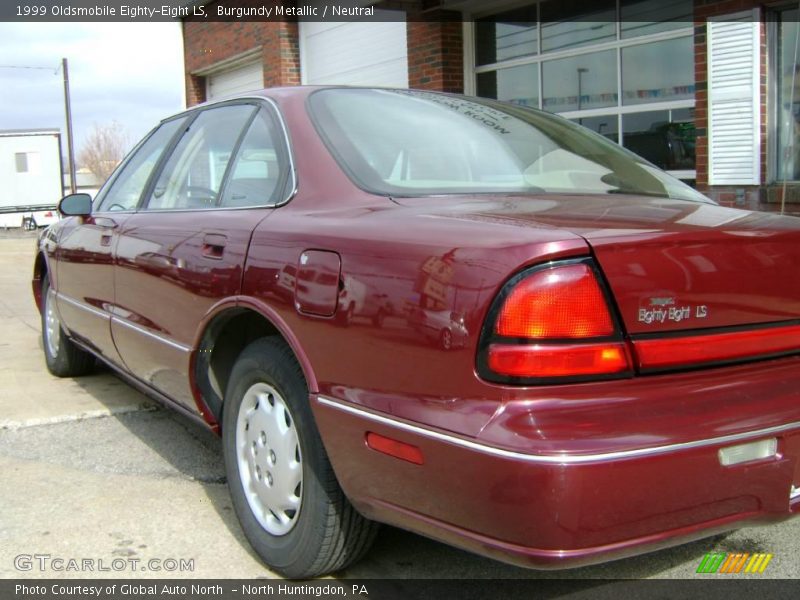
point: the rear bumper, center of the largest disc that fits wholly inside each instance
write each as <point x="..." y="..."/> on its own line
<point x="559" y="510"/>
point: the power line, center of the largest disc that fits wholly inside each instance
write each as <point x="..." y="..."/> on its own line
<point x="55" y="70"/>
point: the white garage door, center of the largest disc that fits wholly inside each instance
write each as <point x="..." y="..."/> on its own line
<point x="355" y="53"/>
<point x="244" y="78"/>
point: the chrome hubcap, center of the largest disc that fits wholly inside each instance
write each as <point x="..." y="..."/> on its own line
<point x="52" y="324"/>
<point x="268" y="455"/>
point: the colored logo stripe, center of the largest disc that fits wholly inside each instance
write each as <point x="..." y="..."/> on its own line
<point x="711" y="562"/>
<point x="722" y="562"/>
<point x="758" y="563"/>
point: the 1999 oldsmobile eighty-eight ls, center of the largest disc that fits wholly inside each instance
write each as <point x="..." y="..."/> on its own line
<point x="465" y="318"/>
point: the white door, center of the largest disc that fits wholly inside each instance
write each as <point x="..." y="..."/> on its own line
<point x="354" y="53"/>
<point x="243" y="78"/>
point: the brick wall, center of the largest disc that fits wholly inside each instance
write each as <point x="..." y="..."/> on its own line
<point x="206" y="43"/>
<point x="436" y="52"/>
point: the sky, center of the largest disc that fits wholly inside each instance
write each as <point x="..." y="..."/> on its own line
<point x="126" y="72"/>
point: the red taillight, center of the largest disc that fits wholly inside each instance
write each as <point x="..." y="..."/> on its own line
<point x="558" y="360"/>
<point x="554" y="323"/>
<point x="691" y="350"/>
<point x="560" y="302"/>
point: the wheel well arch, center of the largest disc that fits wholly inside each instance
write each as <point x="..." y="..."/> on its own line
<point x="224" y="338"/>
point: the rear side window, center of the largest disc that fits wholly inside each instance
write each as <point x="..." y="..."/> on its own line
<point x="193" y="176"/>
<point x="126" y="189"/>
<point x="260" y="170"/>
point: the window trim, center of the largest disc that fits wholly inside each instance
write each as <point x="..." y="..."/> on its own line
<point x="19" y="158"/>
<point x="281" y="149"/>
<point x="290" y="183"/>
<point x="101" y="195"/>
<point x="589" y="49"/>
<point x="773" y="108"/>
<point x="144" y="200"/>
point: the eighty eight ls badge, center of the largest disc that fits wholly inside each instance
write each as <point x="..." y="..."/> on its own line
<point x="663" y="309"/>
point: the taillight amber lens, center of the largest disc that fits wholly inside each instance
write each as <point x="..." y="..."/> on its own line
<point x="558" y="360"/>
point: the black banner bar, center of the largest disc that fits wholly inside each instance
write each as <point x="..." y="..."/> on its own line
<point x="308" y="10"/>
<point x="713" y="587"/>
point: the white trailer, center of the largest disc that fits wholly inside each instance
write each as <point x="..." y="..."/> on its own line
<point x="30" y="177"/>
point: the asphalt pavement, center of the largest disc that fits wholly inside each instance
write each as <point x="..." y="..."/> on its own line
<point x="93" y="471"/>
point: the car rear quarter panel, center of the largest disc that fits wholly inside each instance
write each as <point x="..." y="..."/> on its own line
<point x="406" y="261"/>
<point x="400" y="258"/>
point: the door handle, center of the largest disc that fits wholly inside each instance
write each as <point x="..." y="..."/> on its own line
<point x="105" y="222"/>
<point x="107" y="225"/>
<point x="214" y="245"/>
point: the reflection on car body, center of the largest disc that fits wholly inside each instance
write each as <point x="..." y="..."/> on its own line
<point x="443" y="326"/>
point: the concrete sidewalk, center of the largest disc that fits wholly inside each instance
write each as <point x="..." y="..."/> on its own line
<point x="94" y="470"/>
<point x="28" y="394"/>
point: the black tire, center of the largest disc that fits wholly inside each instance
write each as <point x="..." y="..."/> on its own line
<point x="326" y="533"/>
<point x="62" y="356"/>
<point x="379" y="319"/>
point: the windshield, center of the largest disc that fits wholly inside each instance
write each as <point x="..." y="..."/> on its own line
<point x="413" y="143"/>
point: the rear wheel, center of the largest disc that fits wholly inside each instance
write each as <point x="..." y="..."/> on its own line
<point x="62" y="356"/>
<point x="283" y="488"/>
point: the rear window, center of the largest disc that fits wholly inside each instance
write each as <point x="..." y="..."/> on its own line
<point x="414" y="143"/>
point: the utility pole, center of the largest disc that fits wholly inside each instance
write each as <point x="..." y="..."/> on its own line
<point x="70" y="145"/>
<point x="581" y="71"/>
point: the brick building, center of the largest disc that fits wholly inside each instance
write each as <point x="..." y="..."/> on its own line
<point x="702" y="88"/>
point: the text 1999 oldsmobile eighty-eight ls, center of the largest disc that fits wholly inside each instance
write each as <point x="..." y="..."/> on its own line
<point x="465" y="318"/>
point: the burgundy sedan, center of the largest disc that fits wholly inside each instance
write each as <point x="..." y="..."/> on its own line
<point x="465" y="318"/>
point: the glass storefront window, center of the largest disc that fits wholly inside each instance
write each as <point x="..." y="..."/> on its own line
<point x="605" y="125"/>
<point x="506" y="35"/>
<point x="516" y="84"/>
<point x="658" y="72"/>
<point x="571" y="23"/>
<point x="644" y="17"/>
<point x="580" y="82"/>
<point x="637" y="69"/>
<point x="788" y="120"/>
<point x="665" y="138"/>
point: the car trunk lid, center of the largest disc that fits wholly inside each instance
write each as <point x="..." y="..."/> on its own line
<point x="701" y="267"/>
<point x="671" y="265"/>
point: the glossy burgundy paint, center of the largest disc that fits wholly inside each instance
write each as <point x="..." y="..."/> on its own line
<point x="168" y="276"/>
<point x="171" y="269"/>
<point x="85" y="275"/>
<point x="549" y="515"/>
